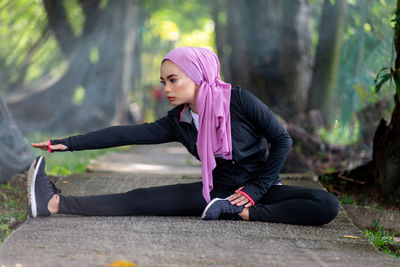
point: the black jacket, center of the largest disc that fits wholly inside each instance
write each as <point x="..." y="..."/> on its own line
<point x="253" y="126"/>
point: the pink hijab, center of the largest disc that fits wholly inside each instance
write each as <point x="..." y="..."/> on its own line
<point x="213" y="104"/>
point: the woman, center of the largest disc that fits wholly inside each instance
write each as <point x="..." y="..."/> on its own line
<point x="227" y="129"/>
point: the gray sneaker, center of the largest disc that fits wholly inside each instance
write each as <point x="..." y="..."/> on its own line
<point x="219" y="206"/>
<point x="40" y="189"/>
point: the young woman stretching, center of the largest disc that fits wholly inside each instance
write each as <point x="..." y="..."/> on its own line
<point x="227" y="129"/>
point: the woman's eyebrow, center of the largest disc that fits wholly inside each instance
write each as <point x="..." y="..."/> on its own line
<point x="169" y="76"/>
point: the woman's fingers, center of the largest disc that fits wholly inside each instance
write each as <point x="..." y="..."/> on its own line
<point x="42" y="145"/>
<point x="238" y="199"/>
<point x="242" y="202"/>
<point x="39" y="144"/>
<point x="248" y="205"/>
<point x="240" y="188"/>
<point x="234" y="197"/>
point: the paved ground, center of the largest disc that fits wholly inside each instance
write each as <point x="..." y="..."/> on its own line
<point x="63" y="240"/>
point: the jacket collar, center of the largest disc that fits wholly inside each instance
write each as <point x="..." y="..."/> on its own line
<point x="185" y="115"/>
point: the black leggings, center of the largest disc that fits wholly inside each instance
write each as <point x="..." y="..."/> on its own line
<point x="281" y="204"/>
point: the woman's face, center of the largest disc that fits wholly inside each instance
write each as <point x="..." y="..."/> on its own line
<point x="178" y="87"/>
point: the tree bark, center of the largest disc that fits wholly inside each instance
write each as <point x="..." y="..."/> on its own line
<point x="15" y="155"/>
<point x="386" y="156"/>
<point x="130" y="36"/>
<point x="327" y="58"/>
<point x="268" y="46"/>
<point x="58" y="22"/>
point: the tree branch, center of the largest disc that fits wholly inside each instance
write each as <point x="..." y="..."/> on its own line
<point x="58" y="23"/>
<point x="91" y="10"/>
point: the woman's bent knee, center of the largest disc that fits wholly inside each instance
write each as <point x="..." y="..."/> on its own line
<point x="329" y="206"/>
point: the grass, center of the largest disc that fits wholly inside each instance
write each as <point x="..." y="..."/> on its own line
<point x="12" y="209"/>
<point x="346" y="199"/>
<point x="13" y="196"/>
<point x="383" y="240"/>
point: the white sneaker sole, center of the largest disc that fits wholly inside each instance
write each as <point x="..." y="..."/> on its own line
<point x="210" y="204"/>
<point x="31" y="182"/>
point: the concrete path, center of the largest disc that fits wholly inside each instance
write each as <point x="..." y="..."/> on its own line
<point x="63" y="240"/>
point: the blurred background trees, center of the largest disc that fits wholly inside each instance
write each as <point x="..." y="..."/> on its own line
<point x="98" y="55"/>
<point x="72" y="66"/>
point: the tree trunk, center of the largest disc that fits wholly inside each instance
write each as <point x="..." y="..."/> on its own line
<point x="130" y="36"/>
<point x="386" y="143"/>
<point x="327" y="58"/>
<point x="219" y="15"/>
<point x="268" y="46"/>
<point x="386" y="156"/>
<point x="384" y="167"/>
<point x="104" y="81"/>
<point x="15" y="154"/>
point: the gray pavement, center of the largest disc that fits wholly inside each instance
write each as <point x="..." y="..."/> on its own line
<point x="67" y="240"/>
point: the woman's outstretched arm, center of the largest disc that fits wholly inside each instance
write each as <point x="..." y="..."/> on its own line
<point x="156" y="132"/>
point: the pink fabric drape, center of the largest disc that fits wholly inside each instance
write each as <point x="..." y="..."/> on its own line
<point x="213" y="106"/>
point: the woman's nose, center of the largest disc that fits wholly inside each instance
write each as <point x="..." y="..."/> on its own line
<point x="167" y="88"/>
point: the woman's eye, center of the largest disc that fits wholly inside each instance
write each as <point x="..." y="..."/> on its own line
<point x="172" y="80"/>
<point x="163" y="83"/>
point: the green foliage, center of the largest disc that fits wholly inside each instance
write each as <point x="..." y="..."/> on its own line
<point x="75" y="16"/>
<point x="65" y="163"/>
<point x="24" y="42"/>
<point x="326" y="177"/>
<point x="60" y="170"/>
<point x="79" y="95"/>
<point x="94" y="54"/>
<point x="346" y="199"/>
<point x="362" y="200"/>
<point x="5" y="231"/>
<point x="12" y="209"/>
<point x="366" y="46"/>
<point x="340" y="133"/>
<point x="387" y="74"/>
<point x="396" y="19"/>
<point x="378" y="207"/>
<point x="382" y="78"/>
<point x="383" y="240"/>
<point x="170" y="24"/>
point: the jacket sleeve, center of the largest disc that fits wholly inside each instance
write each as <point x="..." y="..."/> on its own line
<point x="262" y="118"/>
<point x="156" y="132"/>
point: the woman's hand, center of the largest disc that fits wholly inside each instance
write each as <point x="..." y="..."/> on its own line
<point x="239" y="199"/>
<point x="45" y="146"/>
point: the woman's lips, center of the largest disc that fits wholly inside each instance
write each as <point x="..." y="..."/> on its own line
<point x="170" y="98"/>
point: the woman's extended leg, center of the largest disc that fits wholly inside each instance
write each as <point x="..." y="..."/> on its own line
<point x="179" y="199"/>
<point x="295" y="205"/>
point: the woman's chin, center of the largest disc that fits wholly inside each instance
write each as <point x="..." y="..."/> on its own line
<point x="175" y="103"/>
